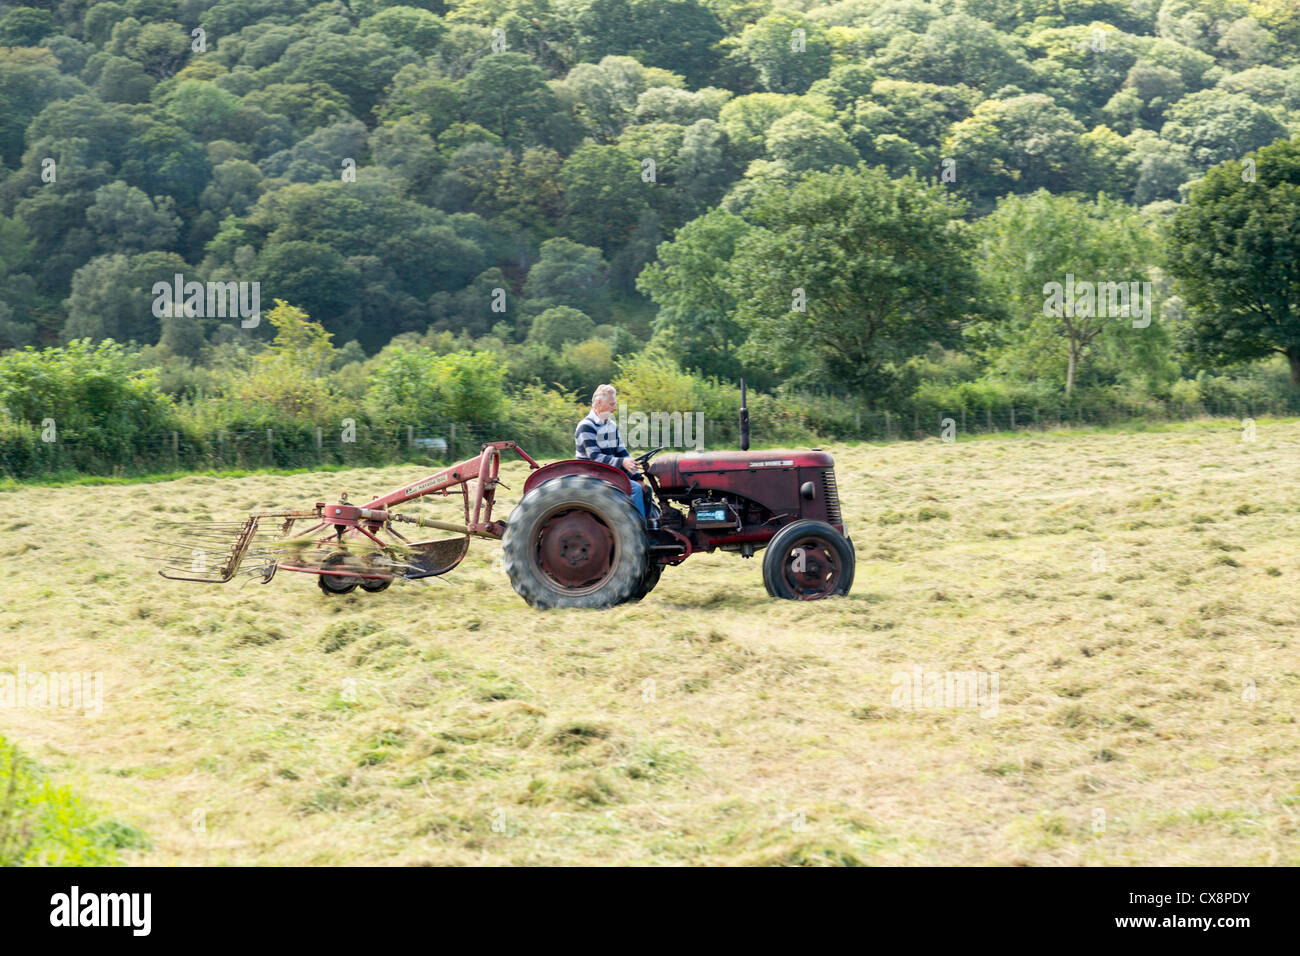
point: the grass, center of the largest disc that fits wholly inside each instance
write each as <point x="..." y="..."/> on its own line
<point x="1147" y="687"/>
<point x="45" y="825"/>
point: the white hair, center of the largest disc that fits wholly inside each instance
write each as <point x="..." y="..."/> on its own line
<point x="602" y="391"/>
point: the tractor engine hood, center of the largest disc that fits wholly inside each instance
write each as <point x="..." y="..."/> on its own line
<point x="677" y="471"/>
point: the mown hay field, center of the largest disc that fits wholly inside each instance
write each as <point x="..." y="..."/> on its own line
<point x="1134" y="595"/>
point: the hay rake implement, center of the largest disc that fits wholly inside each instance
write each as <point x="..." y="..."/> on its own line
<point x="347" y="546"/>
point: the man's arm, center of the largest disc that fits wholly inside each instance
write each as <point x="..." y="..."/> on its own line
<point x="623" y="458"/>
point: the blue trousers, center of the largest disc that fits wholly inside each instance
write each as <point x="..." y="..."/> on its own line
<point x="638" y="496"/>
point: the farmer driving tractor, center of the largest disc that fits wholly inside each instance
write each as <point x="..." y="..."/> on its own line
<point x="597" y="439"/>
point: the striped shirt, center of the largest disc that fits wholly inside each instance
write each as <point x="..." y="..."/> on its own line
<point x="599" y="442"/>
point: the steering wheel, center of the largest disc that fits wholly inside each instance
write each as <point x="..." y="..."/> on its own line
<point x="643" y="461"/>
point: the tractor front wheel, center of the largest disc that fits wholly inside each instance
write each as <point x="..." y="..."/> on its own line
<point x="808" y="560"/>
<point x="575" y="541"/>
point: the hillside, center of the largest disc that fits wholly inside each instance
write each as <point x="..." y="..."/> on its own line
<point x="386" y="167"/>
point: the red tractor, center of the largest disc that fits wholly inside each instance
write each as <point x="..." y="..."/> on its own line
<point x="574" y="540"/>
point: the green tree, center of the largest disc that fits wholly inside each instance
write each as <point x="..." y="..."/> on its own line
<point x="422" y="94"/>
<point x="126" y="220"/>
<point x="288" y="378"/>
<point x="802" y="142"/>
<point x="234" y="187"/>
<point x="159" y="47"/>
<point x="1216" y="126"/>
<point x="570" y="274"/>
<point x="787" y="50"/>
<point x="1234" y="250"/>
<point x="315" y="275"/>
<point x="29" y="81"/>
<point x="308" y="106"/>
<point x="507" y="94"/>
<point x="604" y="196"/>
<point x="199" y="107"/>
<point x="419" y="29"/>
<point x="16" y="286"/>
<point x="1280" y="16"/>
<point x="358" y="66"/>
<point x="746" y="120"/>
<point x="119" y="79"/>
<point x="163" y="159"/>
<point x="676" y="35"/>
<point x="604" y="95"/>
<point x="956" y="49"/>
<point x="112" y="298"/>
<point x="688" y="281"/>
<point x="23" y="26"/>
<point x="1031" y="241"/>
<point x="815" y="304"/>
<point x="560" y="326"/>
<point x="1017" y="145"/>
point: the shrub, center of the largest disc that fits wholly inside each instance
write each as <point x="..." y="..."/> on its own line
<point x="542" y="420"/>
<point x="416" y="386"/>
<point x="44" y="825"/>
<point x="99" y="405"/>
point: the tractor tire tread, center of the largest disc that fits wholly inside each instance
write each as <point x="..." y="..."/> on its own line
<point x="615" y="510"/>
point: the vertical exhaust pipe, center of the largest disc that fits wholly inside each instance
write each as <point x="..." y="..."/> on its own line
<point x="744" y="419"/>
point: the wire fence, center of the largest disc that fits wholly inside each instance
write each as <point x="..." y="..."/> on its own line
<point x="879" y="425"/>
<point x="276" y="448"/>
<point x="445" y="442"/>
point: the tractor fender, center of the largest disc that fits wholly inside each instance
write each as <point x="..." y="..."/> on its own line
<point x="579" y="466"/>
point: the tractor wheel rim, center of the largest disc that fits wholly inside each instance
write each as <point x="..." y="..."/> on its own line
<point x="811" y="569"/>
<point x="576" y="553"/>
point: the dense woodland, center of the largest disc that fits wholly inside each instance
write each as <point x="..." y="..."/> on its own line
<point x="478" y="210"/>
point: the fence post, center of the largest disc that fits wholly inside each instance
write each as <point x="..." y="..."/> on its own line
<point x="221" y="444"/>
<point x="887" y="432"/>
<point x="1013" y="418"/>
<point x="988" y="419"/>
<point x="451" y="440"/>
<point x="963" y="419"/>
<point x="916" y="422"/>
<point x="320" y="441"/>
<point x="270" y="446"/>
<point x="410" y="436"/>
<point x="176" y="446"/>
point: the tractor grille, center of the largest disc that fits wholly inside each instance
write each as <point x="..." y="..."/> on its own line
<point x="832" y="493"/>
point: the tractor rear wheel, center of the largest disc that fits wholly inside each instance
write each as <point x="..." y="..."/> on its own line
<point x="653" y="570"/>
<point x="575" y="541"/>
<point x="808" y="560"/>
